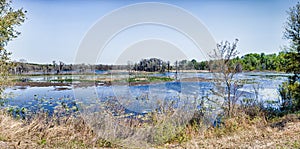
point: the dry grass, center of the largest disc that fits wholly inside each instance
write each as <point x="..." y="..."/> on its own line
<point x="71" y="132"/>
<point x="240" y="132"/>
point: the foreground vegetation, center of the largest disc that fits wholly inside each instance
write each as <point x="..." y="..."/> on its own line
<point x="73" y="132"/>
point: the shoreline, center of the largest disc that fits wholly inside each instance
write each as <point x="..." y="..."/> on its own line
<point x="105" y="83"/>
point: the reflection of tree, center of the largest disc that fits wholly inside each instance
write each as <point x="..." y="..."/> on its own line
<point x="61" y="65"/>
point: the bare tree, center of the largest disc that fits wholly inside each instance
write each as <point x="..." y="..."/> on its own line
<point x="61" y="65"/>
<point x="224" y="71"/>
<point x="22" y="66"/>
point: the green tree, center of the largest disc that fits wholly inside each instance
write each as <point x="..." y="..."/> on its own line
<point x="203" y="65"/>
<point x="290" y="91"/>
<point x="9" y="20"/>
<point x="251" y="61"/>
<point x="195" y="64"/>
<point x="292" y="33"/>
<point x="282" y="61"/>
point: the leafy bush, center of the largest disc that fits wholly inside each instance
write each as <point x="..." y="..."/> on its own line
<point x="290" y="95"/>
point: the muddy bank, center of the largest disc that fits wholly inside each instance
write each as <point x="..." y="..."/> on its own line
<point x="41" y="84"/>
<point x="105" y="83"/>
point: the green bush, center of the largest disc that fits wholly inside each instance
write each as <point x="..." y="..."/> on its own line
<point x="290" y="95"/>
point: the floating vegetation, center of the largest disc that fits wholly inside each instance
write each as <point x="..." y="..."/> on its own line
<point x="22" y="79"/>
<point x="59" y="100"/>
<point x="149" y="79"/>
<point x="65" y="105"/>
<point x="2" y="101"/>
<point x="248" y="81"/>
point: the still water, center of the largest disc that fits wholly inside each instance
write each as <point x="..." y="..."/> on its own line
<point x="133" y="99"/>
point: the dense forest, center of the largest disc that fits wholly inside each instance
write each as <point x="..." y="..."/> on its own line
<point x="248" y="62"/>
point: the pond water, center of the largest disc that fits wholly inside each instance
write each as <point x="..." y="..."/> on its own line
<point x="138" y="99"/>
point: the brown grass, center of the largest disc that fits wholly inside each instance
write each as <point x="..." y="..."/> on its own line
<point x="72" y="132"/>
<point x="241" y="132"/>
<point x="41" y="132"/>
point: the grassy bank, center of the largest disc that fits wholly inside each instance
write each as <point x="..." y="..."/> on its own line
<point x="41" y="132"/>
<point x="243" y="132"/>
<point x="70" y="132"/>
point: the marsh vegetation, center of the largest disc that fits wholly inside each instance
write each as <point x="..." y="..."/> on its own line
<point x="226" y="102"/>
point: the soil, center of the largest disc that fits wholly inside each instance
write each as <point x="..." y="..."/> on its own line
<point x="41" y="84"/>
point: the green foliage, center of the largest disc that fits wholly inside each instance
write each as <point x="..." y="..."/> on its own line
<point x="292" y="30"/>
<point x="261" y="62"/>
<point x="153" y="79"/>
<point x="290" y="90"/>
<point x="290" y="96"/>
<point x="296" y="144"/>
<point x="9" y="20"/>
<point x="150" y="65"/>
<point x="293" y="62"/>
<point x="42" y="142"/>
<point x="149" y="79"/>
<point x="104" y="143"/>
<point x="292" y="33"/>
<point x="248" y="62"/>
<point x="167" y="132"/>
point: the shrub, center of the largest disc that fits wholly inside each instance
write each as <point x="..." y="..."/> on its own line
<point x="290" y="95"/>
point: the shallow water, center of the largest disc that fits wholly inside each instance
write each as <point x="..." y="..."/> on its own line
<point x="135" y="99"/>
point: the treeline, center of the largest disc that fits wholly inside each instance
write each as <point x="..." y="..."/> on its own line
<point x="155" y="65"/>
<point x="254" y="61"/>
<point x="248" y="62"/>
<point x="22" y="67"/>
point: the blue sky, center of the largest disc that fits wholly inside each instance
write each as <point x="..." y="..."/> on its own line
<point x="54" y="29"/>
